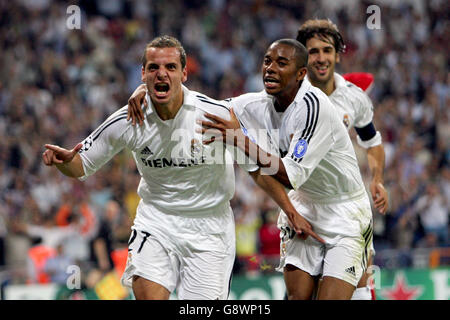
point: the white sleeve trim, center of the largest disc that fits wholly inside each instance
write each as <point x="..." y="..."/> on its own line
<point x="86" y="175"/>
<point x="375" y="141"/>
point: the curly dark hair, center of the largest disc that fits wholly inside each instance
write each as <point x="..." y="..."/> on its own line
<point x="322" y="28"/>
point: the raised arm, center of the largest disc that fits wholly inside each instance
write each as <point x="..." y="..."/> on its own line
<point x="67" y="161"/>
<point x="94" y="151"/>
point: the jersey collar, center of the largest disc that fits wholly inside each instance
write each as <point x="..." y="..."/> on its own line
<point x="339" y="81"/>
<point x="306" y="85"/>
<point x="150" y="108"/>
<point x="188" y="97"/>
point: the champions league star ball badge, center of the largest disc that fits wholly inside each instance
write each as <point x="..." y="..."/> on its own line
<point x="300" y="148"/>
<point x="87" y="143"/>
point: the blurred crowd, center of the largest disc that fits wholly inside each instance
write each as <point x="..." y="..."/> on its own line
<point x="58" y="84"/>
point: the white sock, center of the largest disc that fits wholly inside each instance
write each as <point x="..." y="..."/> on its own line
<point x="362" y="294"/>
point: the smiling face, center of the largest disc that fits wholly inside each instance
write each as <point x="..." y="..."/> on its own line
<point x="281" y="73"/>
<point x="322" y="58"/>
<point x="163" y="74"/>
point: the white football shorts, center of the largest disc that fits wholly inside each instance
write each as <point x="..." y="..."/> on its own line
<point x="192" y="255"/>
<point x="344" y="256"/>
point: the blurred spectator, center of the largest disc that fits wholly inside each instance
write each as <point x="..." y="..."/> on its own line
<point x="37" y="258"/>
<point x="44" y="231"/>
<point x="81" y="217"/>
<point x="113" y="232"/>
<point x="3" y="232"/>
<point x="402" y="226"/>
<point x="57" y="266"/>
<point x="269" y="238"/>
<point x="248" y="222"/>
<point x="432" y="208"/>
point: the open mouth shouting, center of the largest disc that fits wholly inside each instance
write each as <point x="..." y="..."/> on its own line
<point x="161" y="90"/>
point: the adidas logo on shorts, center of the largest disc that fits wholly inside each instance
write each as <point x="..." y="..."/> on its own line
<point x="147" y="151"/>
<point x="351" y="270"/>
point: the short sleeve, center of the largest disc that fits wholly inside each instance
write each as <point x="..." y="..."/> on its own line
<point x="103" y="143"/>
<point x="364" y="108"/>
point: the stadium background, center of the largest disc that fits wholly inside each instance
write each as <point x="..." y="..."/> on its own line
<point x="58" y="84"/>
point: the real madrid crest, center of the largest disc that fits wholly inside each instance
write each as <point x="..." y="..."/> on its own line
<point x="346" y="120"/>
<point x="196" y="147"/>
<point x="283" y="249"/>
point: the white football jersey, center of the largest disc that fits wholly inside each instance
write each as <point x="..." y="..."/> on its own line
<point x="259" y="120"/>
<point x="317" y="152"/>
<point x="354" y="107"/>
<point x="352" y="103"/>
<point x="318" y="155"/>
<point x="179" y="175"/>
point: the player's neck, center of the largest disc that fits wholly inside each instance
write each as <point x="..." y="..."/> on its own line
<point x="327" y="87"/>
<point x="169" y="110"/>
<point x="283" y="101"/>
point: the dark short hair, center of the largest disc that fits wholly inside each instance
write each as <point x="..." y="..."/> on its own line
<point x="323" y="28"/>
<point x="165" y="42"/>
<point x="301" y="54"/>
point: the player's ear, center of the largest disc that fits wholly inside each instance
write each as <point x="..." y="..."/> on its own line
<point x="184" y="77"/>
<point x="301" y="73"/>
<point x="143" y="74"/>
<point x="338" y="58"/>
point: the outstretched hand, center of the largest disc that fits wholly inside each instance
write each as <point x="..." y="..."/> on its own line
<point x="135" y="112"/>
<point x="57" y="155"/>
<point x="221" y="128"/>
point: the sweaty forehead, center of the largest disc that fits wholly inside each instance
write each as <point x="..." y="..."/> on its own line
<point x="281" y="50"/>
<point x="163" y="55"/>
